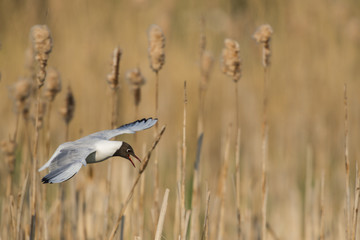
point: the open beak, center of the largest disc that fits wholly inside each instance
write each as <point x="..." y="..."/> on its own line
<point x="132" y="160"/>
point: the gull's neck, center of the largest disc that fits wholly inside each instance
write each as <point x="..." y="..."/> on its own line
<point x="104" y="150"/>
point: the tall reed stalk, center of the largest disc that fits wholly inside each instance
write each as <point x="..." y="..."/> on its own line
<point x="136" y="80"/>
<point x="221" y="190"/>
<point x="308" y="209"/>
<point x="237" y="183"/>
<point x="183" y="170"/>
<point x="263" y="36"/>
<point x="231" y="66"/>
<point x="67" y="112"/>
<point x="322" y="200"/>
<point x="21" y="207"/>
<point x="144" y="164"/>
<point x="113" y="81"/>
<point x="356" y="203"/>
<point x="52" y="88"/>
<point x="177" y="220"/>
<point x="204" y="235"/>
<point x="347" y="165"/>
<point x="156" y="52"/>
<point x="206" y="63"/>
<point x="162" y="215"/>
<point x="42" y="45"/>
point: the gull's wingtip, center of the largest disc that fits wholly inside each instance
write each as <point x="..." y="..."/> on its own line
<point x="148" y="119"/>
<point x="151" y="121"/>
<point x="45" y="180"/>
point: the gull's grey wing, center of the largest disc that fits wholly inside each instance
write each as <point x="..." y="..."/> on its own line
<point x="127" y="128"/>
<point x="63" y="173"/>
<point x="55" y="154"/>
<point x="66" y="163"/>
<point x="70" y="155"/>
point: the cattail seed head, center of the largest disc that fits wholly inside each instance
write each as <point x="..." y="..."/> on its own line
<point x="42" y="41"/>
<point x="156" y="47"/>
<point x="67" y="111"/>
<point x="21" y="92"/>
<point x="53" y="84"/>
<point x="206" y="65"/>
<point x="263" y="33"/>
<point x="231" y="62"/>
<point x="263" y="36"/>
<point x="113" y="77"/>
<point x="42" y="44"/>
<point x="136" y="80"/>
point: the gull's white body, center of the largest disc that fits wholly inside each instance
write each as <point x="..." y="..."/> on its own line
<point x="104" y="150"/>
<point x="70" y="156"/>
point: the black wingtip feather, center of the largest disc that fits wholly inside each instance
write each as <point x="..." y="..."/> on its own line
<point x="45" y="180"/>
<point x="138" y="121"/>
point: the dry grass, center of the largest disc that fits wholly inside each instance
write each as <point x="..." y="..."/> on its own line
<point x="314" y="51"/>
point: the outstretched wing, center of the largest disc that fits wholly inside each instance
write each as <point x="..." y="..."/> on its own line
<point x="127" y="128"/>
<point x="62" y="174"/>
<point x="66" y="163"/>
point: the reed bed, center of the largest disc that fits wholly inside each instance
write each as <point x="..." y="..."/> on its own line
<point x="258" y="157"/>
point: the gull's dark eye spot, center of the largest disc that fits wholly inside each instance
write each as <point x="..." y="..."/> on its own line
<point x="128" y="150"/>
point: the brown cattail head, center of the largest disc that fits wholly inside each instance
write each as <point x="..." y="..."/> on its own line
<point x="156" y="47"/>
<point x="113" y="77"/>
<point x="207" y="62"/>
<point x="53" y="84"/>
<point x="8" y="147"/>
<point x="263" y="36"/>
<point x="42" y="44"/>
<point x="21" y="92"/>
<point x="42" y="41"/>
<point x="67" y="111"/>
<point x="231" y="62"/>
<point x="136" y="80"/>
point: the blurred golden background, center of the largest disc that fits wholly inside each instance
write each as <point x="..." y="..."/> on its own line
<point x="315" y="51"/>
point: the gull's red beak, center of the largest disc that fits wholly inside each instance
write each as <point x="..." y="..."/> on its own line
<point x="132" y="160"/>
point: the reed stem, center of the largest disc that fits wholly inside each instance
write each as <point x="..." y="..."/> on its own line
<point x="204" y="235"/>
<point x="47" y="143"/>
<point x="142" y="169"/>
<point x="156" y="159"/>
<point x="34" y="167"/>
<point x="162" y="215"/>
<point x="20" y="208"/>
<point x="183" y="169"/>
<point x="222" y="186"/>
<point x="347" y="165"/>
<point x="356" y="203"/>
<point x="322" y="198"/>
<point x="264" y="155"/>
<point x="237" y="183"/>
